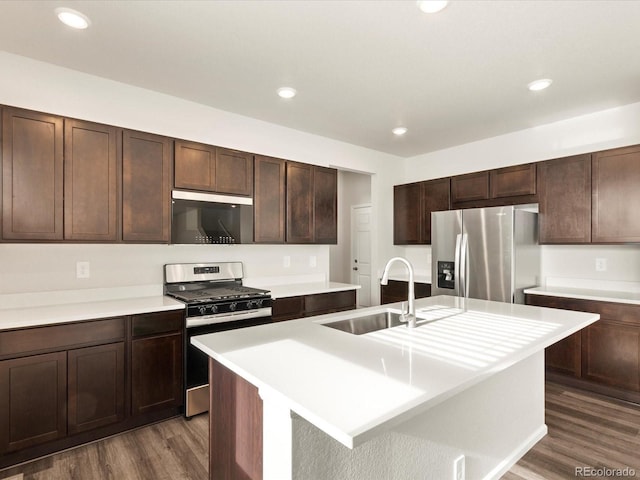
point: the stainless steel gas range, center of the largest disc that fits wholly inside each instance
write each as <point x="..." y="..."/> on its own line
<point x="216" y="301"/>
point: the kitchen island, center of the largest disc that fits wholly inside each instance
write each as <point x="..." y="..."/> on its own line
<point x="462" y="391"/>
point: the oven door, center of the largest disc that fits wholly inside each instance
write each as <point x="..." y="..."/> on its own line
<point x="197" y="362"/>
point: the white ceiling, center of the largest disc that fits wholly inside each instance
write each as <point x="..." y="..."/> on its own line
<point x="360" y="67"/>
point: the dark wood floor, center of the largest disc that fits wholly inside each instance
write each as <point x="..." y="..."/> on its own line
<point x="171" y="450"/>
<point x="585" y="430"/>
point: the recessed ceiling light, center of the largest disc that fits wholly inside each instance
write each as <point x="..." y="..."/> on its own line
<point x="73" y="18"/>
<point x="539" y="84"/>
<point x="399" y="131"/>
<point x="287" y="92"/>
<point x="432" y="6"/>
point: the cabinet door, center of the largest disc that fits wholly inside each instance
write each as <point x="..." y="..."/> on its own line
<point x="565" y="356"/>
<point x="194" y="166"/>
<point x="234" y="172"/>
<point x="156" y="373"/>
<point x="611" y="354"/>
<point x="96" y="386"/>
<point x="407" y="214"/>
<point x="269" y="200"/>
<point x="469" y="187"/>
<point x="91" y="181"/>
<point x="616" y="195"/>
<point x="513" y="181"/>
<point x="33" y="408"/>
<point x="287" y="308"/>
<point x="564" y="194"/>
<point x="146" y="187"/>
<point x="299" y="203"/>
<point x="435" y="198"/>
<point x="325" y="205"/>
<point x="32" y="176"/>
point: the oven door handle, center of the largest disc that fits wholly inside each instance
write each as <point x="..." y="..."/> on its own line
<point x="228" y="317"/>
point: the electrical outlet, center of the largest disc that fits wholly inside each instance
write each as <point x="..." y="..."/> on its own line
<point x="313" y="261"/>
<point x="286" y="261"/>
<point x="458" y="468"/>
<point x="601" y="264"/>
<point x="83" y="270"/>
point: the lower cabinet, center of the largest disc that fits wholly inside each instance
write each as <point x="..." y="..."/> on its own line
<point x="156" y="361"/>
<point x="603" y="357"/>
<point x="67" y="384"/>
<point x="33" y="393"/>
<point x="289" y="308"/>
<point x="96" y="386"/>
<point x="398" y="291"/>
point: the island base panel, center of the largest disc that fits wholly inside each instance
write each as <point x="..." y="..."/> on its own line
<point x="493" y="424"/>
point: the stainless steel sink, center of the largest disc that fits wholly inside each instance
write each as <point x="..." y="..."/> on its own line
<point x="367" y="323"/>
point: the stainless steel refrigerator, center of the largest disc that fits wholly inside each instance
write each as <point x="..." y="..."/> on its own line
<point x="486" y="253"/>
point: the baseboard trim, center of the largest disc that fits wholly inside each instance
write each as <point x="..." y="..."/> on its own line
<point x="504" y="466"/>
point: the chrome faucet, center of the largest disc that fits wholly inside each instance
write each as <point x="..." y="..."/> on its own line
<point x="410" y="315"/>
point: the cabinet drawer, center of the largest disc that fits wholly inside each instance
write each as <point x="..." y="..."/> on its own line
<point x="330" y="302"/>
<point x="58" y="337"/>
<point x="287" y="308"/>
<point x="157" y="323"/>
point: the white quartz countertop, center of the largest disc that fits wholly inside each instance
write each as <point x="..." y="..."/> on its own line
<point x="618" y="296"/>
<point x="307" y="288"/>
<point x="354" y="387"/>
<point x="70" y="312"/>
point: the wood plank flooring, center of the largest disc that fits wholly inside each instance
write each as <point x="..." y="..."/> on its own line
<point x="175" y="449"/>
<point x="585" y="430"/>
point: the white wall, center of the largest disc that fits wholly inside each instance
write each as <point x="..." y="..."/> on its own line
<point x="353" y="189"/>
<point x="610" y="128"/>
<point x="44" y="87"/>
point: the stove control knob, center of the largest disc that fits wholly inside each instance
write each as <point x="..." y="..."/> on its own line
<point x="232" y="306"/>
<point x="250" y="304"/>
<point x="259" y="303"/>
<point x="202" y="310"/>
<point x="213" y="308"/>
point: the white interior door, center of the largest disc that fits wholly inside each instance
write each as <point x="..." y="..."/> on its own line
<point x="361" y="252"/>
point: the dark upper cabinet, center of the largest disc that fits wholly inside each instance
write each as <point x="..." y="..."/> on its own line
<point x="212" y="169"/>
<point x="234" y="172"/>
<point x="194" y="166"/>
<point x="32" y="175"/>
<point x="616" y="195"/>
<point x="435" y="198"/>
<point x="91" y="181"/>
<point x="501" y="186"/>
<point x="513" y="181"/>
<point x="299" y="203"/>
<point x="146" y="187"/>
<point x="564" y="195"/>
<point x="325" y="205"/>
<point x="470" y="187"/>
<point x="407" y="214"/>
<point x="413" y="204"/>
<point x="311" y="203"/>
<point x="269" y="200"/>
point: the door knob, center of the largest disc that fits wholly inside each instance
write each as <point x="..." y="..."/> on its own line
<point x="355" y="268"/>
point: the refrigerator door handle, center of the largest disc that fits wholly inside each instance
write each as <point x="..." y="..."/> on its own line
<point x="464" y="267"/>
<point x="456" y="266"/>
